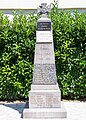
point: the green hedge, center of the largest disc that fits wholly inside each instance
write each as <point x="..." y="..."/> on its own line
<point x="69" y="31"/>
<point x="17" y="44"/>
<point x="17" y="40"/>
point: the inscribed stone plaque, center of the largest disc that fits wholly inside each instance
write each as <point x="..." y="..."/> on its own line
<point x="44" y="99"/>
<point x="44" y="36"/>
<point x="44" y="26"/>
<point x="44" y="54"/>
<point x="44" y="74"/>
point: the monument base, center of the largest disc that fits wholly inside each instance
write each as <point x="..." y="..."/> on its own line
<point x="45" y="113"/>
<point x="44" y="96"/>
<point x="45" y="103"/>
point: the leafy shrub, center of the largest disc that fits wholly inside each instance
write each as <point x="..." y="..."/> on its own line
<point x="69" y="30"/>
<point x="17" y="41"/>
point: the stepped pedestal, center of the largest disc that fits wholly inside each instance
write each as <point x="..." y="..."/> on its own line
<point x="45" y="113"/>
<point x="45" y="103"/>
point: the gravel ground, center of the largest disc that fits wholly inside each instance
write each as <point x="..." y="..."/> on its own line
<point x="76" y="110"/>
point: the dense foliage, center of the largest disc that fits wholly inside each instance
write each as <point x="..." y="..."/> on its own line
<point x="17" y="40"/>
<point x="70" y="51"/>
<point x="17" y="43"/>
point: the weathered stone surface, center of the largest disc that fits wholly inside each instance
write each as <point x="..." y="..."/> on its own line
<point x="45" y="87"/>
<point x="45" y="113"/>
<point x="44" y="74"/>
<point x="44" y="36"/>
<point x="44" y="99"/>
<point x="44" y="54"/>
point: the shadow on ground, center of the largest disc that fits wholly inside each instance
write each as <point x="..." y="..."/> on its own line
<point x="17" y="106"/>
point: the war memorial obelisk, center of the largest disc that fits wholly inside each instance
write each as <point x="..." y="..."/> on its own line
<point x="45" y="95"/>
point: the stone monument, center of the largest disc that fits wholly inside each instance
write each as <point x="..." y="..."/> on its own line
<point x="45" y="95"/>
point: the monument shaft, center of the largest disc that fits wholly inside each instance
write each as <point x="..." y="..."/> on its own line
<point x="45" y="95"/>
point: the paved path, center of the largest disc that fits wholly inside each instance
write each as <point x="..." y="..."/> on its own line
<point x="13" y="111"/>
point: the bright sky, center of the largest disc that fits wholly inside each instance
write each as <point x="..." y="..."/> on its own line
<point x="29" y="4"/>
<point x="72" y="3"/>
